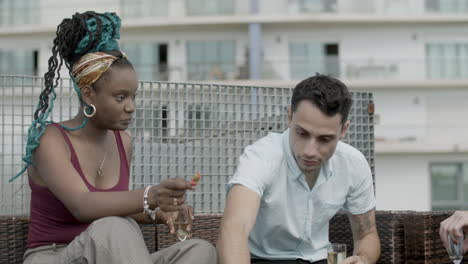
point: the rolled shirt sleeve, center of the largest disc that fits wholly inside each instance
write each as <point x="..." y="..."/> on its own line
<point x="361" y="197"/>
<point x="252" y="171"/>
<point x="257" y="166"/>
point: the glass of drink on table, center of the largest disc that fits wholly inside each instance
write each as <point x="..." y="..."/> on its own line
<point x="336" y="253"/>
<point x="180" y="225"/>
<point x="182" y="221"/>
<point x="455" y="250"/>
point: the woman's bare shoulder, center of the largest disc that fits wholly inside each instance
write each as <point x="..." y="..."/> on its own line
<point x="52" y="141"/>
<point x="52" y="135"/>
<point x="52" y="145"/>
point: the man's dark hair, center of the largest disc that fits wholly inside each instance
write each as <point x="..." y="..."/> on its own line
<point x="330" y="95"/>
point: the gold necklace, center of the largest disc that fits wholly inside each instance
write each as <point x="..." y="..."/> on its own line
<point x="99" y="169"/>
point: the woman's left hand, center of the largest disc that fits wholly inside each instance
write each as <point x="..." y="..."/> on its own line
<point x="169" y="218"/>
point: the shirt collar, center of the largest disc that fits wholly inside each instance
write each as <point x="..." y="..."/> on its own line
<point x="326" y="170"/>
<point x="292" y="164"/>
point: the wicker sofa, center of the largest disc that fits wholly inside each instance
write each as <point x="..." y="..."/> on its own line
<point x="406" y="236"/>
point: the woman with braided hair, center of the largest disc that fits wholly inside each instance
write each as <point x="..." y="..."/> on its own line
<point x="81" y="208"/>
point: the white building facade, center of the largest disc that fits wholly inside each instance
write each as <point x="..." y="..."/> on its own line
<point x="412" y="54"/>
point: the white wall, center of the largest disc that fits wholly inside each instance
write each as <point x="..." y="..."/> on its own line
<point x="362" y="44"/>
<point x="403" y="181"/>
<point x="402" y="187"/>
<point x="401" y="114"/>
<point x="383" y="47"/>
<point x="427" y="116"/>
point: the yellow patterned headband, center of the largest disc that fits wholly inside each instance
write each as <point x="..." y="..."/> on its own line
<point x="90" y="67"/>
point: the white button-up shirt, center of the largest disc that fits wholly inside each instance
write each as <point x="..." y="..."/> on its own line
<point x="292" y="220"/>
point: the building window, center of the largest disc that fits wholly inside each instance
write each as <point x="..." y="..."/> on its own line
<point x="149" y="60"/>
<point x="209" y="7"/>
<point x="447" y="60"/>
<point x="319" y="6"/>
<point x="18" y="62"/>
<point x="144" y="8"/>
<point x="449" y="186"/>
<point x="35" y="63"/>
<point x="447" y="6"/>
<point x="307" y="59"/>
<point x="19" y="12"/>
<point x="211" y="60"/>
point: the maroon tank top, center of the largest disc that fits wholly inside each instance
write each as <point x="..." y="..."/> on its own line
<point x="50" y="221"/>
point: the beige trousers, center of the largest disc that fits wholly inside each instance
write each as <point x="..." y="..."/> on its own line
<point x="119" y="240"/>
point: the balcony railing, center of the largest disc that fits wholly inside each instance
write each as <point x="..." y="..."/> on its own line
<point x="370" y="69"/>
<point x="16" y="13"/>
<point x="196" y="8"/>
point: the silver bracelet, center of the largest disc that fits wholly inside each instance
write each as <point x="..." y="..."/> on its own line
<point x="150" y="213"/>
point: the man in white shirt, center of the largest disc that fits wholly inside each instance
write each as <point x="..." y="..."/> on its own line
<point x="288" y="186"/>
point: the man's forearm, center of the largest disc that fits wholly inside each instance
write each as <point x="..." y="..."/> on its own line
<point x="368" y="247"/>
<point x="238" y="220"/>
<point x="233" y="247"/>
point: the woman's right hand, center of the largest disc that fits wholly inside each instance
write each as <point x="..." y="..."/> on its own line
<point x="169" y="218"/>
<point x="169" y="195"/>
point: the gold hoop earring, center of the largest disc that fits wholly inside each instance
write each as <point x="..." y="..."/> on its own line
<point x="92" y="113"/>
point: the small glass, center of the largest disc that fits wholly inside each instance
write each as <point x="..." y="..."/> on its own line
<point x="180" y="225"/>
<point x="455" y="250"/>
<point x="336" y="253"/>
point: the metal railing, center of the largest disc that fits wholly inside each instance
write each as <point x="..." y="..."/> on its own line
<point x="365" y="69"/>
<point x="368" y="69"/>
<point x="179" y="129"/>
<point x="14" y="13"/>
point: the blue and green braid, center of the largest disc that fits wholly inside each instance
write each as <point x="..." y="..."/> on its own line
<point x="83" y="33"/>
